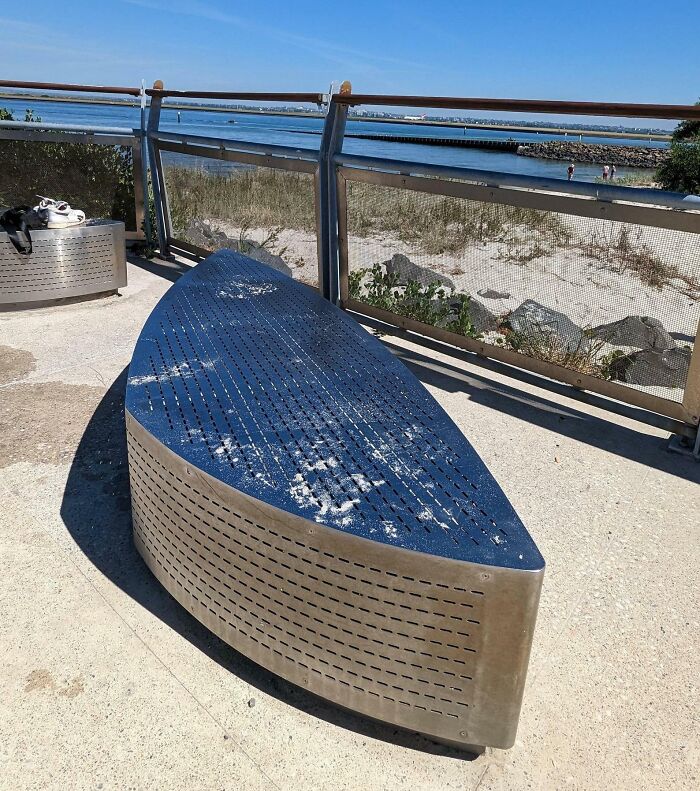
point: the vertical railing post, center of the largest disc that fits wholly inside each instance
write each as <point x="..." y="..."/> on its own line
<point x="143" y="160"/>
<point x="156" y="165"/>
<point x="341" y="186"/>
<point x="691" y="394"/>
<point x="327" y="235"/>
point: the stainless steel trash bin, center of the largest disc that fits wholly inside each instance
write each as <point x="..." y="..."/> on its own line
<point x="65" y="262"/>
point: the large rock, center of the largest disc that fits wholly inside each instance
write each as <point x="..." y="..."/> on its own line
<point x="406" y="270"/>
<point x="599" y="153"/>
<point x="535" y="321"/>
<point x="651" y="367"/>
<point x="490" y="293"/>
<point x="200" y="233"/>
<point x="254" y="250"/>
<point x="482" y="318"/>
<point x="640" y="332"/>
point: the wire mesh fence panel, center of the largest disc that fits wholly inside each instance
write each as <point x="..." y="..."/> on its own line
<point x="99" y="179"/>
<point x="266" y="213"/>
<point x="616" y="301"/>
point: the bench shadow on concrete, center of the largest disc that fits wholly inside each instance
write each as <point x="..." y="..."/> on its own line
<point x="96" y="510"/>
<point x="547" y="413"/>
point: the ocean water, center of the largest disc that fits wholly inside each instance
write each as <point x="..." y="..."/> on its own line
<point x="303" y="133"/>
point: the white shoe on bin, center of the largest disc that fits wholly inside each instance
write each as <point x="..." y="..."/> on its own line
<point x="59" y="213"/>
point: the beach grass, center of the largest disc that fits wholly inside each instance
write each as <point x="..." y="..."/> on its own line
<point x="266" y="198"/>
<point x="249" y="197"/>
<point x="623" y="250"/>
<point x="269" y="199"/>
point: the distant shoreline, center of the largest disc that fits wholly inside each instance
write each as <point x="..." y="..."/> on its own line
<point x="566" y="131"/>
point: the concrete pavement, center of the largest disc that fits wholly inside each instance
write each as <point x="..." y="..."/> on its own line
<point x="105" y="682"/>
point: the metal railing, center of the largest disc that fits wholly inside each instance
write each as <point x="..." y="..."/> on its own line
<point x="338" y="176"/>
<point x="133" y="138"/>
<point x="640" y="207"/>
<point x="674" y="112"/>
<point x="283" y="158"/>
<point x="334" y="171"/>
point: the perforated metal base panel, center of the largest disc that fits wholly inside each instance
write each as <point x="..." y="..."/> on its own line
<point x="299" y="492"/>
<point x="65" y="262"/>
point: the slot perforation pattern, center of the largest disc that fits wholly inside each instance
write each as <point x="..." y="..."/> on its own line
<point x="63" y="265"/>
<point x="408" y="642"/>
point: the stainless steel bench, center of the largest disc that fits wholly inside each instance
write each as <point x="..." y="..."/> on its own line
<point x="65" y="262"/>
<point x="301" y="493"/>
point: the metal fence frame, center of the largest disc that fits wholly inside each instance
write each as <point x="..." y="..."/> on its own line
<point x="639" y="206"/>
<point x="686" y="412"/>
<point x="332" y="170"/>
<point x="275" y="157"/>
<point x="299" y="160"/>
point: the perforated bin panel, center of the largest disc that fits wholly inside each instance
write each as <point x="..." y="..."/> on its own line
<point x="301" y="493"/>
<point x="66" y="262"/>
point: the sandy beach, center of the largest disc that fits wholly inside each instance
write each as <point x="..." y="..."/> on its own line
<point x="586" y="289"/>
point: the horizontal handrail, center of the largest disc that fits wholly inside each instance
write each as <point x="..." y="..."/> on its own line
<point x="220" y="143"/>
<point x="77" y="128"/>
<point x="612" y="109"/>
<point x="313" y="98"/>
<point x="670" y="200"/>
<point x="99" y="101"/>
<point x="58" y="86"/>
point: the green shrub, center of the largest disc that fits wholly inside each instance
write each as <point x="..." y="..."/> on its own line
<point x="98" y="179"/>
<point x="609" y="363"/>
<point x="430" y="304"/>
<point x="462" y="323"/>
<point x="427" y="304"/>
<point x="681" y="171"/>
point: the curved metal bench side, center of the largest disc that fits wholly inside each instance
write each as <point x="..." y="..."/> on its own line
<point x="66" y="262"/>
<point x="435" y="645"/>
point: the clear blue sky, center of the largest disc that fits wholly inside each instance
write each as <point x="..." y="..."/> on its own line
<point x="617" y="50"/>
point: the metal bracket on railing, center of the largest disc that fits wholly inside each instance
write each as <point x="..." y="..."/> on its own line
<point x="331" y="144"/>
<point x="148" y="231"/>
<point x="160" y="197"/>
<point x="685" y="447"/>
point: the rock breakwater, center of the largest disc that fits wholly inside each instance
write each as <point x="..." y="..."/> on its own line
<point x="597" y="153"/>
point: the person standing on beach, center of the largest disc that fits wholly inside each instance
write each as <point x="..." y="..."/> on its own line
<point x="613" y="171"/>
<point x="606" y="172"/>
<point x="570" y="171"/>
